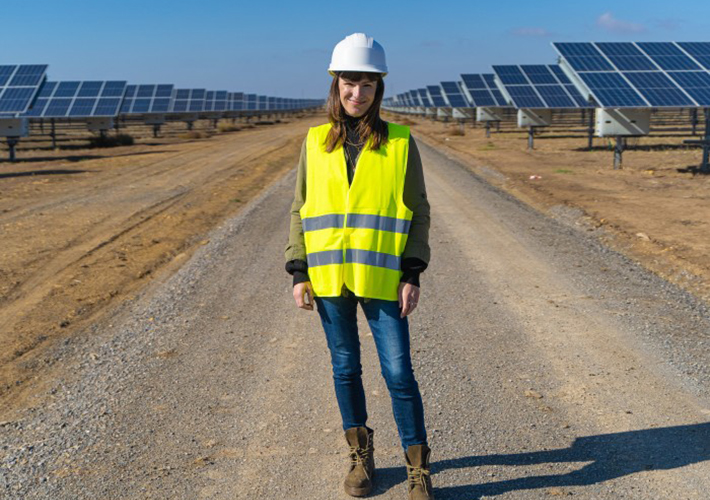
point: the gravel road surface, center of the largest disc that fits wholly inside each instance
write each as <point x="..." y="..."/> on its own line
<point x="549" y="366"/>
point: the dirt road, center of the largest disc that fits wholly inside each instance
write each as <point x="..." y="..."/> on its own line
<point x="549" y="365"/>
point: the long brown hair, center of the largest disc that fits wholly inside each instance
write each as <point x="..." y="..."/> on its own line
<point x="370" y="124"/>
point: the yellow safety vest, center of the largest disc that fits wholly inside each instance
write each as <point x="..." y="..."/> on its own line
<point x="355" y="234"/>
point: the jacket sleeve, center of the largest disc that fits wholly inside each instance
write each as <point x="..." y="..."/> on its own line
<point x="417" y="253"/>
<point x="296" y="264"/>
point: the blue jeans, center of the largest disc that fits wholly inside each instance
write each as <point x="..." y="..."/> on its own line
<point x="391" y="334"/>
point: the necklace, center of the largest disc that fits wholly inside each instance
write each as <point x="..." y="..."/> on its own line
<point x="350" y="159"/>
<point x="357" y="145"/>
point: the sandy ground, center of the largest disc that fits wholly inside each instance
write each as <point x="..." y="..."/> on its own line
<point x="549" y="366"/>
<point x="650" y="210"/>
<point x="84" y="229"/>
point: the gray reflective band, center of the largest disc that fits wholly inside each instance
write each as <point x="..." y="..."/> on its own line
<point x="381" y="223"/>
<point x="324" y="258"/>
<point x="372" y="259"/>
<point x="323" y="222"/>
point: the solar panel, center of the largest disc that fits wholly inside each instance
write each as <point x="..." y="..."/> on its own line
<point x="700" y="51"/>
<point x="188" y="100"/>
<point x="78" y="99"/>
<point x="434" y="92"/>
<point x="261" y="102"/>
<point x="424" y="98"/>
<point x="481" y="91"/>
<point x="236" y="101"/>
<point x="250" y="101"/>
<point x="19" y="85"/>
<point x="141" y="99"/>
<point x="452" y="94"/>
<point x="539" y="86"/>
<point x="641" y="74"/>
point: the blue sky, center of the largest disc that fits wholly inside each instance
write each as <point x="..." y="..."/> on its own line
<point x="283" y="48"/>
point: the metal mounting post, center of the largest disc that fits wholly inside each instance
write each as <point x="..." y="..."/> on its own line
<point x="590" y="131"/>
<point x="488" y="129"/>
<point x="705" y="165"/>
<point x="53" y="134"/>
<point x="11" y="143"/>
<point x="462" y="127"/>
<point x="694" y="120"/>
<point x="618" y="150"/>
<point x="156" y="130"/>
<point x="531" y="138"/>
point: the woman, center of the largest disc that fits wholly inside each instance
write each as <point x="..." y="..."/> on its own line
<point x="359" y="235"/>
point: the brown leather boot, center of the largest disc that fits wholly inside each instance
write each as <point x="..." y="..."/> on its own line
<point x="418" y="475"/>
<point x="358" y="482"/>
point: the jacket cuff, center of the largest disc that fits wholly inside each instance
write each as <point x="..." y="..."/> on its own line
<point x="411" y="277"/>
<point x="298" y="269"/>
<point x="300" y="277"/>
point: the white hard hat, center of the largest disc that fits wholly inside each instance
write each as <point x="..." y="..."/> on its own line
<point x="358" y="52"/>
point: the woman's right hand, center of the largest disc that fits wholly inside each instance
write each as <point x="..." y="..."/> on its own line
<point x="301" y="291"/>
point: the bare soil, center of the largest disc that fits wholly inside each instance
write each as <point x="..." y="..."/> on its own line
<point x="85" y="229"/>
<point x="653" y="209"/>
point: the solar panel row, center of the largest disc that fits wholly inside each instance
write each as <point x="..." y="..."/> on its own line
<point x="643" y="74"/>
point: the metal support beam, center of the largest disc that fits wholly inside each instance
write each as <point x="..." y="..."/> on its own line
<point x="618" y="151"/>
<point x="694" y="120"/>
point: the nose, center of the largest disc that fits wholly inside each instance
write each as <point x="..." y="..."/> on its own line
<point x="357" y="91"/>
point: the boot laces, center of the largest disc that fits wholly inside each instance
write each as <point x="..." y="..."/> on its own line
<point x="418" y="476"/>
<point x="359" y="456"/>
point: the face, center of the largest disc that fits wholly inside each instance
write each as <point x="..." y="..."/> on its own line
<point x="356" y="97"/>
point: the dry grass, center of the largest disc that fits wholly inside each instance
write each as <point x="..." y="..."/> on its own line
<point x="192" y="134"/>
<point x="227" y="127"/>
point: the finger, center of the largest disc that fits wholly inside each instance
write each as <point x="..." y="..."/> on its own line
<point x="405" y="308"/>
<point x="309" y="295"/>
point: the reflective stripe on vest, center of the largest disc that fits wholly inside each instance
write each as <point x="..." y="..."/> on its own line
<point x="355" y="234"/>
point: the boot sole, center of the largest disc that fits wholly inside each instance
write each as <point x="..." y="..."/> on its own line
<point x="360" y="492"/>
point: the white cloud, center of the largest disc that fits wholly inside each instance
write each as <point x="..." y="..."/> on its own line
<point x="609" y="23"/>
<point x="531" y="31"/>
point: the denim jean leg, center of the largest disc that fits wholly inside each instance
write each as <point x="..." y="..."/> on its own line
<point x="339" y="318"/>
<point x="391" y="334"/>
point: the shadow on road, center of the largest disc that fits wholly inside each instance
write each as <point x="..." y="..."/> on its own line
<point x="609" y="455"/>
<point x="38" y="173"/>
<point x="75" y="158"/>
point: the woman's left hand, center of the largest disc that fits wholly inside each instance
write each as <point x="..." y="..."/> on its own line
<point x="408" y="298"/>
